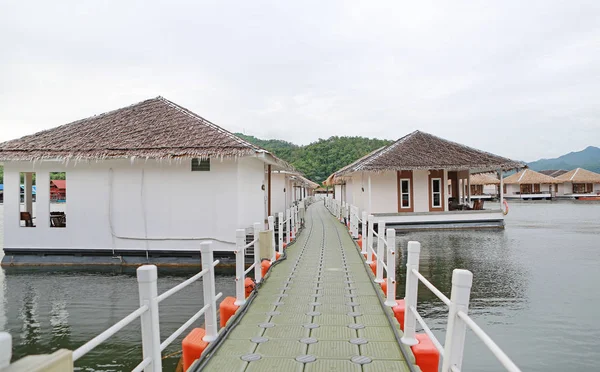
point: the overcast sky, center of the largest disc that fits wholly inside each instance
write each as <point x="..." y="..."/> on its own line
<point x="516" y="78"/>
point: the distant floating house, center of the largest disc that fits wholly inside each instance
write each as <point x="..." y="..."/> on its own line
<point x="405" y="183"/>
<point x="146" y="180"/>
<point x="484" y="186"/>
<point x="58" y="190"/>
<point x="578" y="183"/>
<point x="530" y="185"/>
<point x="553" y="172"/>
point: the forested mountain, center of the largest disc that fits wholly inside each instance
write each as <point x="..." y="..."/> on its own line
<point x="589" y="159"/>
<point x="323" y="157"/>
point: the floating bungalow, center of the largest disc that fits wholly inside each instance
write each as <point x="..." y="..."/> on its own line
<point x="405" y="183"/>
<point x="579" y="183"/>
<point x="149" y="180"/>
<point x="530" y="185"/>
<point x="484" y="186"/>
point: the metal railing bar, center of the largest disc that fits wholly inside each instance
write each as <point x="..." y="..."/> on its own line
<point x="249" y="269"/>
<point x="382" y="239"/>
<point x="181" y="286"/>
<point x="186" y="325"/>
<point x="432" y="288"/>
<point x="494" y="348"/>
<point x="91" y="344"/>
<point x="427" y="330"/>
<point x="144" y="363"/>
<point x="250" y="244"/>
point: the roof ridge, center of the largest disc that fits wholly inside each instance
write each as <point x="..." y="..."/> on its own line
<point x="209" y="123"/>
<point x="573" y="176"/>
<point x="523" y="174"/>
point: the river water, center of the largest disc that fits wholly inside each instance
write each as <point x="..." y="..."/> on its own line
<point x="534" y="292"/>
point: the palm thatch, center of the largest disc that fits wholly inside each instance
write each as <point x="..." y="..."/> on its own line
<point x="153" y="129"/>
<point x="420" y="150"/>
<point x="553" y="172"/>
<point x="580" y="175"/>
<point x="528" y="176"/>
<point x="484" y="179"/>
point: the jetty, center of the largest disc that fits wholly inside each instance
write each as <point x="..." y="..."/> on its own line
<point x="323" y="299"/>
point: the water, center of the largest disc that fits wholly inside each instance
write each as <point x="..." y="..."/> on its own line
<point x="534" y="291"/>
<point x="535" y="285"/>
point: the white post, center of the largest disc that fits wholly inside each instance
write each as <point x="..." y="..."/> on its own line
<point x="380" y="251"/>
<point x="469" y="187"/>
<point x="364" y="232"/>
<point x="296" y="221"/>
<point x="148" y="291"/>
<point x="271" y="220"/>
<point x="289" y="232"/>
<point x="410" y="296"/>
<point x="280" y="232"/>
<point x="240" y="261"/>
<point x="208" y="287"/>
<point x="293" y="211"/>
<point x="370" y="239"/>
<point x="391" y="268"/>
<point x="501" y="191"/>
<point x="455" y="332"/>
<point x="257" y="266"/>
<point x="5" y="349"/>
<point x="28" y="192"/>
<point x="370" y="200"/>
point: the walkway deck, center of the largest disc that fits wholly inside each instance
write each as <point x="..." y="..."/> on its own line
<point x="316" y="311"/>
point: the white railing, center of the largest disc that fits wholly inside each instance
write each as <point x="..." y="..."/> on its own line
<point x="458" y="318"/>
<point x="148" y="312"/>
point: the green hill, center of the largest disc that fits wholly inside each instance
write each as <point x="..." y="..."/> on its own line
<point x="323" y="157"/>
<point x="588" y="158"/>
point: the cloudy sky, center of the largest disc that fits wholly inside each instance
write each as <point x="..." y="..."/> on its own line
<point x="516" y="78"/>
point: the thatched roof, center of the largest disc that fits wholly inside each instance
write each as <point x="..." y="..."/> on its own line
<point x="484" y="179"/>
<point x="528" y="176"/>
<point x="580" y="175"/>
<point x="156" y="128"/>
<point x="553" y="172"/>
<point x="420" y="150"/>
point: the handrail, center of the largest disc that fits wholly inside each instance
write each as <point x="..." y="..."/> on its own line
<point x="94" y="342"/>
<point x="249" y="269"/>
<point x="458" y="318"/>
<point x="494" y="348"/>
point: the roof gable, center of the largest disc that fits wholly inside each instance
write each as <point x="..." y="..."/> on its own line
<point x="528" y="176"/>
<point x="580" y="175"/>
<point x="155" y="128"/>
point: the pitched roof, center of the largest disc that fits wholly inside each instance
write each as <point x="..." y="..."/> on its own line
<point x="527" y="176"/>
<point x="484" y="179"/>
<point x="156" y="128"/>
<point x="61" y="184"/>
<point x="580" y="175"/>
<point x="420" y="150"/>
<point x="553" y="172"/>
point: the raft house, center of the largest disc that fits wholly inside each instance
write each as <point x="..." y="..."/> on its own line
<point x="405" y="184"/>
<point x="528" y="184"/>
<point x="147" y="183"/>
<point x="579" y="184"/>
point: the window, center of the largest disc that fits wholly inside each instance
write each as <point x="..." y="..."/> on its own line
<point x="436" y="192"/>
<point x="58" y="199"/>
<point x="405" y="193"/>
<point x="583" y="188"/>
<point x="201" y="165"/>
<point x="27" y="195"/>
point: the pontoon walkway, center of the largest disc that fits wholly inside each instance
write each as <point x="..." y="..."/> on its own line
<point x="318" y="310"/>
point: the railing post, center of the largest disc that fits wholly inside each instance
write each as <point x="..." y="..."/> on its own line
<point x="289" y="232"/>
<point x="271" y="220"/>
<point x="391" y="267"/>
<point x="293" y="222"/>
<point x="351" y="220"/>
<point x="147" y="277"/>
<point x="296" y="221"/>
<point x="280" y="233"/>
<point x="5" y="349"/>
<point x="410" y="296"/>
<point x="240" y="263"/>
<point x="455" y="332"/>
<point x="208" y="287"/>
<point x="364" y="233"/>
<point x="380" y="251"/>
<point x="257" y="266"/>
<point x="370" y="239"/>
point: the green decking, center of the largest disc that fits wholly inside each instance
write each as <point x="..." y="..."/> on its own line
<point x="316" y="311"/>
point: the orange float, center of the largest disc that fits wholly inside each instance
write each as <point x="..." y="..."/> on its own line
<point x="265" y="264"/>
<point x="384" y="285"/>
<point x="249" y="285"/>
<point x="277" y="255"/>
<point x="227" y="309"/>
<point x="399" y="310"/>
<point x="193" y="346"/>
<point x="373" y="266"/>
<point x="360" y="242"/>
<point x="427" y="357"/>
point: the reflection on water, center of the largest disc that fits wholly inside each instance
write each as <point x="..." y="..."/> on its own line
<point x="534" y="292"/>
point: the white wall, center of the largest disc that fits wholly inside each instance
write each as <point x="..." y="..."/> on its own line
<point x="384" y="194"/>
<point x="512" y="189"/>
<point x="278" y="196"/>
<point x="170" y="202"/>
